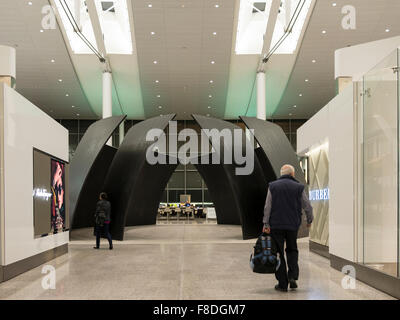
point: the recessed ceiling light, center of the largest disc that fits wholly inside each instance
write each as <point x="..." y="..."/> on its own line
<point x="210" y="96"/>
<point x="300" y="95"/>
<point x="157" y="81"/>
<point x="158" y="96"/>
<point x="41" y="30"/>
<point x="217" y="5"/>
<point x="290" y="114"/>
<point x="30" y="3"/>
<point x="214" y="33"/>
<point x="73" y="106"/>
<point x="294" y="106"/>
<point x="52" y="60"/>
<point x="387" y="30"/>
<point x="334" y="4"/>
<point x="159" y="107"/>
<point x="60" y="80"/>
<point x="155" y="62"/>
<point x="78" y="114"/>
<point x="213" y="62"/>
<point x="306" y="80"/>
<point x="152" y="33"/>
<point x="314" y="61"/>
<point x="324" y="31"/>
<point x="67" y="95"/>
<point x="150" y="5"/>
<point x="211" y="81"/>
<point x="209" y="107"/>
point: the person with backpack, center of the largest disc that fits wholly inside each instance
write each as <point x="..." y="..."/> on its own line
<point x="102" y="220"/>
<point x="282" y="219"/>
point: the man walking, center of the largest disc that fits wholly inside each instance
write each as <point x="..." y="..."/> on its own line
<point x="282" y="218"/>
<point x="103" y="219"/>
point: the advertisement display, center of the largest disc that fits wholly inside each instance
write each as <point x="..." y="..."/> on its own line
<point x="49" y="194"/>
<point x="58" y="196"/>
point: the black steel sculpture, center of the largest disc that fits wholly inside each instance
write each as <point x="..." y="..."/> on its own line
<point x="134" y="186"/>
<point x="88" y="152"/>
<point x="276" y="152"/>
<point x="245" y="193"/>
<point x="84" y="211"/>
<point x="221" y="193"/>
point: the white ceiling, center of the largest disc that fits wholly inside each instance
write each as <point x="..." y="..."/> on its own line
<point x="184" y="46"/>
<point x="37" y="76"/>
<point x="373" y="18"/>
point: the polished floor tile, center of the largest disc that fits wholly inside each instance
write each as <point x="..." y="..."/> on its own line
<point x="176" y="261"/>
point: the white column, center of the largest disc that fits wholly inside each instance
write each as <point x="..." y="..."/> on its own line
<point x="261" y="100"/>
<point x="121" y="132"/>
<point x="107" y="98"/>
<point x="7" y="65"/>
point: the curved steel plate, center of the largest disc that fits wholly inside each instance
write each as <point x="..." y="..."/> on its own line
<point x="246" y="193"/>
<point x="86" y="207"/>
<point x="86" y="154"/>
<point x="132" y="184"/>
<point x="278" y="151"/>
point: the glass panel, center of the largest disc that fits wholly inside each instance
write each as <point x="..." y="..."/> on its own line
<point x="380" y="153"/>
<point x="174" y="195"/>
<point x="207" y="197"/>
<point x="193" y="180"/>
<point x="73" y="144"/>
<point x="195" y="195"/>
<point x="398" y="159"/>
<point x="177" y="180"/>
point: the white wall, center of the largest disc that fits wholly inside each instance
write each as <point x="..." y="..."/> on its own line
<point x="357" y="60"/>
<point x="26" y="127"/>
<point x="334" y="124"/>
<point x="341" y="175"/>
<point x="314" y="132"/>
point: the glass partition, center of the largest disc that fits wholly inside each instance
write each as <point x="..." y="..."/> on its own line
<point x="380" y="226"/>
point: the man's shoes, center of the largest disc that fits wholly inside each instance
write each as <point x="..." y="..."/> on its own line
<point x="279" y="288"/>
<point x="96" y="248"/>
<point x="111" y="247"/>
<point x="293" y="284"/>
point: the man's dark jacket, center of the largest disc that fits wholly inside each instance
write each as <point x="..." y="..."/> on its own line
<point x="286" y="207"/>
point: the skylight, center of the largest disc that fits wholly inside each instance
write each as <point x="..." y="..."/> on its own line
<point x="115" y="25"/>
<point x="114" y="22"/>
<point x="252" y="24"/>
<point x="287" y="10"/>
<point x="79" y="16"/>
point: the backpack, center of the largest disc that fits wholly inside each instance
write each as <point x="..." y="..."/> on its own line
<point x="100" y="216"/>
<point x="265" y="258"/>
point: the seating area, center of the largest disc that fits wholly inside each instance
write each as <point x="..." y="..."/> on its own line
<point x="181" y="212"/>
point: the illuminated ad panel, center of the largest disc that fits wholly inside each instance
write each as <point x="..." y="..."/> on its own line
<point x="49" y="195"/>
<point x="318" y="170"/>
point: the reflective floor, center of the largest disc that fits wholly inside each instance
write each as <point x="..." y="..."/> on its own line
<point x="184" y="261"/>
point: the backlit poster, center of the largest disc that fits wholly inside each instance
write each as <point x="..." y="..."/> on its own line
<point x="58" y="196"/>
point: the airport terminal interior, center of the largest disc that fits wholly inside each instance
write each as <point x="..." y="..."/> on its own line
<point x="181" y="113"/>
